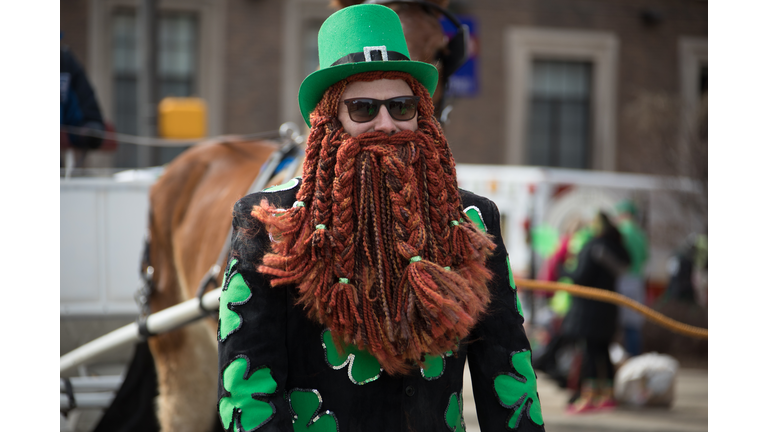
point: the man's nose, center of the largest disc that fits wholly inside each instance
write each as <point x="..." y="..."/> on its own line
<point x="384" y="122"/>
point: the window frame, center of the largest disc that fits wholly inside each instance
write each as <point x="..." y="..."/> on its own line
<point x="523" y="45"/>
<point x="692" y="54"/>
<point x="210" y="59"/>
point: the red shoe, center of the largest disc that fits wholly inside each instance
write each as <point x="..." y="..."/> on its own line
<point x="606" y="404"/>
<point x="580" y="406"/>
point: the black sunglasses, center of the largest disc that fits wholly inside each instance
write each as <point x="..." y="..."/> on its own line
<point x="401" y="108"/>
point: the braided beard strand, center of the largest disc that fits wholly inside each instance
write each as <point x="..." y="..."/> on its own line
<point x="381" y="251"/>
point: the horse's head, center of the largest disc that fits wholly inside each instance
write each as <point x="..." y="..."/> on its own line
<point x="424" y="36"/>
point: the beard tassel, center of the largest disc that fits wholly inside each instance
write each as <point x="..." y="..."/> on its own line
<point x="471" y="248"/>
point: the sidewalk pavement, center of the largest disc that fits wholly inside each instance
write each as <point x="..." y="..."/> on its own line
<point x="687" y="414"/>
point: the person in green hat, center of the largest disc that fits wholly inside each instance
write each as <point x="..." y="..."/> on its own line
<point x="632" y="282"/>
<point x="355" y="294"/>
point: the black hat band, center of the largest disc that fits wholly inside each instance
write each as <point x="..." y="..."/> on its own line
<point x="371" y="54"/>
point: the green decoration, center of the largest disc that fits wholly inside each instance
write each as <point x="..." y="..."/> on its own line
<point x="290" y="184"/>
<point x="235" y="292"/>
<point x="579" y="239"/>
<point x="473" y="213"/>
<point x="434" y="366"/>
<point x="516" y="389"/>
<point x="415" y="259"/>
<point x="544" y="240"/>
<point x="514" y="288"/>
<point x="245" y="394"/>
<point x="560" y="303"/>
<point x="305" y="405"/>
<point x="229" y="270"/>
<point x="362" y="366"/>
<point x="454" y="414"/>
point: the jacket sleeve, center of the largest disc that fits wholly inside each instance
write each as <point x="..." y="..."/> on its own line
<point x="499" y="354"/>
<point x="251" y="334"/>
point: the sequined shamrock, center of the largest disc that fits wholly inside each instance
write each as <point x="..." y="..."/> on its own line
<point x="246" y="390"/>
<point x="434" y="366"/>
<point x="362" y="366"/>
<point x="235" y="292"/>
<point x="517" y="390"/>
<point x="454" y="417"/>
<point x="305" y="405"/>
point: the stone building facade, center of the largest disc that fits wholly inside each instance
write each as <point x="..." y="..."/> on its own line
<point x="644" y="63"/>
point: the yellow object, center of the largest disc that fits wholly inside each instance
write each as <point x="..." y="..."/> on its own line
<point x="181" y="118"/>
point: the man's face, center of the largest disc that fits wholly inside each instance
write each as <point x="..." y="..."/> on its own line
<point x="380" y="89"/>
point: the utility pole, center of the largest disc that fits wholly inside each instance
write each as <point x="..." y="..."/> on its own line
<point x="147" y="97"/>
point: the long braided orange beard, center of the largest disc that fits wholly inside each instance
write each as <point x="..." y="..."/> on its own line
<point x="378" y="245"/>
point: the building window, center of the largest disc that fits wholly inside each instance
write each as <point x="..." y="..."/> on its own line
<point x="177" y="60"/>
<point x="125" y="67"/>
<point x="561" y="97"/>
<point x="558" y="130"/>
<point x="178" y="54"/>
<point x="693" y="94"/>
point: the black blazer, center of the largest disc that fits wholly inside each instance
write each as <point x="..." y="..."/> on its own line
<point x="277" y="367"/>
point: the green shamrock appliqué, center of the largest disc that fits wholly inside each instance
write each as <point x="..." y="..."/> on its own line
<point x="454" y="414"/>
<point x="244" y="403"/>
<point x="363" y="366"/>
<point x="290" y="184"/>
<point x="473" y="213"/>
<point x="305" y="405"/>
<point x="514" y="288"/>
<point x="235" y="292"/>
<point x="434" y="366"/>
<point x="517" y="390"/>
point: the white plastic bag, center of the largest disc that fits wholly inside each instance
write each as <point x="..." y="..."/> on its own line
<point x="647" y="380"/>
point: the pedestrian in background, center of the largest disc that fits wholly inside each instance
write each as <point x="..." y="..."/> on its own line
<point x="78" y="106"/>
<point x="632" y="282"/>
<point x="593" y="323"/>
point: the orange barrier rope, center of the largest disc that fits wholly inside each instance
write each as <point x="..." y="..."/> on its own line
<point x="615" y="298"/>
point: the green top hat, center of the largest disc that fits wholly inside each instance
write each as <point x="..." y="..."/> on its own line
<point x="357" y="39"/>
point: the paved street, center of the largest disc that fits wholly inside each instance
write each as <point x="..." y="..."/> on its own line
<point x="687" y="414"/>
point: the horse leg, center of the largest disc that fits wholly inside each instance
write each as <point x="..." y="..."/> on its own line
<point x="192" y="210"/>
<point x="186" y="358"/>
<point x="186" y="378"/>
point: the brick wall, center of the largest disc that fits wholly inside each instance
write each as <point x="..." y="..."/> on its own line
<point x="648" y="65"/>
<point x="74" y="26"/>
<point x="648" y="62"/>
<point x="253" y="62"/>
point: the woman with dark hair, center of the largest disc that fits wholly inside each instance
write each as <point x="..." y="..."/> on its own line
<point x="593" y="323"/>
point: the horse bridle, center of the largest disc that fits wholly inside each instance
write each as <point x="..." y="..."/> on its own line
<point x="458" y="44"/>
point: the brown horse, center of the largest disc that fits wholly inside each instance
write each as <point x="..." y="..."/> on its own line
<point x="191" y="213"/>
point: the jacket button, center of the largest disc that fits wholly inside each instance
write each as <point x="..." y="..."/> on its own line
<point x="410" y="391"/>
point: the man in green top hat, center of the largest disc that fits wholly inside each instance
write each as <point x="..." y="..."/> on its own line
<point x="355" y="295"/>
